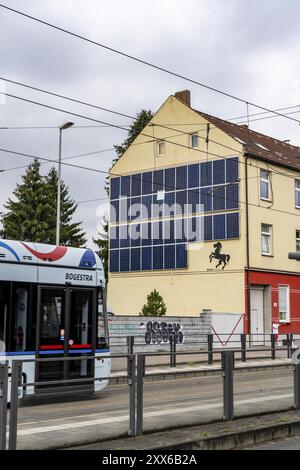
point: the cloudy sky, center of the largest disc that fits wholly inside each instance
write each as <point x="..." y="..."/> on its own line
<point x="250" y="48"/>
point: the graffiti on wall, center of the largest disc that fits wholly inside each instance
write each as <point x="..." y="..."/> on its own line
<point x="159" y="332"/>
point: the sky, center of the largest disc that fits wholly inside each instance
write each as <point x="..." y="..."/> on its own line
<point x="249" y="48"/>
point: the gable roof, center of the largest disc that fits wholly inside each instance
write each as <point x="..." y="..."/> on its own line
<point x="258" y="145"/>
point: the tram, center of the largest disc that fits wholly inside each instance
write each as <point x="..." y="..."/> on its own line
<point x="53" y="305"/>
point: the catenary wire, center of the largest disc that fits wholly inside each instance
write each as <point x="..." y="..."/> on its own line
<point x="144" y="62"/>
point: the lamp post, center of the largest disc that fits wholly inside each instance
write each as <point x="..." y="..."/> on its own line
<point x="64" y="126"/>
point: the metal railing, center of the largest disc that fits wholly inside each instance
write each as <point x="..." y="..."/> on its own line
<point x="136" y="371"/>
<point x="239" y="343"/>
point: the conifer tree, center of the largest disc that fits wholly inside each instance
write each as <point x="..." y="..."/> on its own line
<point x="31" y="216"/>
<point x="155" y="306"/>
<point x="26" y="215"/>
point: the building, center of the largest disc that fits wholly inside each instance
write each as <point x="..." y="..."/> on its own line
<point x="237" y="196"/>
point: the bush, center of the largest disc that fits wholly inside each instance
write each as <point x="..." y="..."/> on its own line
<point x="155" y="306"/>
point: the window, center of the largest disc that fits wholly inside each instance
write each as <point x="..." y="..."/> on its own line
<point x="266" y="246"/>
<point x="4" y="315"/>
<point x="298" y="240"/>
<point x="284" y="303"/>
<point x="264" y="184"/>
<point x="20" y="320"/>
<point x="161" y="148"/>
<point x="297" y="194"/>
<point x="194" y="140"/>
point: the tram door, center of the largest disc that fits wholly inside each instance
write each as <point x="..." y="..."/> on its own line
<point x="67" y="328"/>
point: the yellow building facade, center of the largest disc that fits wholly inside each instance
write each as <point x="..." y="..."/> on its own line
<point x="234" y="192"/>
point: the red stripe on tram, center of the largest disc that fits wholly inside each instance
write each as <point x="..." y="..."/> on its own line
<point x="52" y="346"/>
<point x="82" y="346"/>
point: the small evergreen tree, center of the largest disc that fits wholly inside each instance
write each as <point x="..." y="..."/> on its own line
<point x="155" y="306"/>
<point x="102" y="245"/>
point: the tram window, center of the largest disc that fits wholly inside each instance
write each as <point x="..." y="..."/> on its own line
<point x="4" y="307"/>
<point x="20" y="319"/>
<point x="52" y="317"/>
<point x="102" y="340"/>
<point x="81" y="317"/>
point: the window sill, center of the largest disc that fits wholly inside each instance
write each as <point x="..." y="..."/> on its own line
<point x="268" y="255"/>
<point x="265" y="199"/>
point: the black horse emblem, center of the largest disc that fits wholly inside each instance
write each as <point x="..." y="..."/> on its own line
<point x="217" y="255"/>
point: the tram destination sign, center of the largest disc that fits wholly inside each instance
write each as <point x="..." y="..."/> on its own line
<point x="79" y="277"/>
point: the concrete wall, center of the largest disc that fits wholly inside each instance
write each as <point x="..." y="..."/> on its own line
<point x="189" y="330"/>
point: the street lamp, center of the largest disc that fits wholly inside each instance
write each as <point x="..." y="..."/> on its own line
<point x="64" y="126"/>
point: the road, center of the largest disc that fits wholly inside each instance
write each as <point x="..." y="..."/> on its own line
<point x="167" y="403"/>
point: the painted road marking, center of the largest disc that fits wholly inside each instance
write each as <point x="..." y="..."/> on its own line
<point x="151" y="414"/>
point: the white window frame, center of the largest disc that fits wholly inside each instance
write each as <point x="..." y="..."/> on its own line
<point x="287" y="313"/>
<point x="159" y="143"/>
<point x="269" y="235"/>
<point x="297" y="192"/>
<point x="297" y="240"/>
<point x="195" y="134"/>
<point x="265" y="181"/>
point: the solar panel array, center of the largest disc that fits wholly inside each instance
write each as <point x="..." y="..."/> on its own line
<point x="176" y="197"/>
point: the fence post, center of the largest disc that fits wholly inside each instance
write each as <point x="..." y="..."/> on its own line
<point x="227" y="367"/>
<point x="3" y="403"/>
<point x="273" y="346"/>
<point x="16" y="376"/>
<point x="296" y="373"/>
<point x="130" y="347"/>
<point x="140" y="393"/>
<point x="172" y="350"/>
<point x="289" y="345"/>
<point x="132" y="395"/>
<point x="210" y="346"/>
<point x="243" y="347"/>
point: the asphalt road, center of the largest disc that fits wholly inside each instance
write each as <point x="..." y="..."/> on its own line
<point x="167" y="403"/>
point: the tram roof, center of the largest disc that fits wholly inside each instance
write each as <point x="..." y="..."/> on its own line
<point x="14" y="251"/>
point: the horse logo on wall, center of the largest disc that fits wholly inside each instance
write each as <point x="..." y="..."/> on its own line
<point x="219" y="256"/>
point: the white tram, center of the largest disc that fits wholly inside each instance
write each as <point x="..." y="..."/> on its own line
<point x="50" y="304"/>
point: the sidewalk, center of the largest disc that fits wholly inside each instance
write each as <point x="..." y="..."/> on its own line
<point x="119" y="364"/>
<point x="160" y="370"/>
<point x="237" y="434"/>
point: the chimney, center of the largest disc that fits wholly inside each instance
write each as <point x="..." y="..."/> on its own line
<point x="184" y="96"/>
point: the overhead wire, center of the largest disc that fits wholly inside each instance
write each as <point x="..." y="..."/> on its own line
<point x="144" y="62"/>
